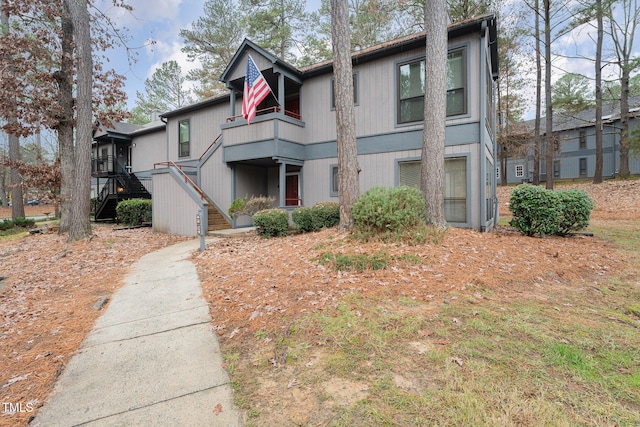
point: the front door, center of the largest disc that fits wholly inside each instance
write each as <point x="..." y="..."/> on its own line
<point x="292" y="195"/>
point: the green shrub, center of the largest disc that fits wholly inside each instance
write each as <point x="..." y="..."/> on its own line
<point x="325" y="215"/>
<point x="8" y="224"/>
<point x="380" y="210"/>
<point x="576" y="210"/>
<point x="237" y="207"/>
<point x="271" y="222"/>
<point x="319" y="216"/>
<point x="302" y="219"/>
<point x="134" y="211"/>
<point x="539" y="211"/>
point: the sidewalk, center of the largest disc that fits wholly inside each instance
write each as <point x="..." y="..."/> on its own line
<point x="151" y="359"/>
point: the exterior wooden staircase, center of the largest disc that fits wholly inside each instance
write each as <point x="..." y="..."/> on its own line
<point x="215" y="220"/>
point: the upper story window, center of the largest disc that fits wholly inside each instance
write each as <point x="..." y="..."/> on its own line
<point x="184" y="137"/>
<point x="583" y="139"/>
<point x="355" y="91"/>
<point x="411" y="84"/>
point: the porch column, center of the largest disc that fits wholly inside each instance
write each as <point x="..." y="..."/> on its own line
<point x="283" y="184"/>
<point x="281" y="95"/>
<point x="232" y="99"/>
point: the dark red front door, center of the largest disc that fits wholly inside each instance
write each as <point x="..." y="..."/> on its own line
<point x="292" y="190"/>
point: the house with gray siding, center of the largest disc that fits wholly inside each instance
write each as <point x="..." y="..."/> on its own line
<point x="208" y="155"/>
<point x="575" y="146"/>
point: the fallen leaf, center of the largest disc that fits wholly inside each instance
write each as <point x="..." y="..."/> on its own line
<point x="218" y="409"/>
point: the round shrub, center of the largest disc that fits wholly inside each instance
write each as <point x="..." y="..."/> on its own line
<point x="535" y="210"/>
<point x="271" y="222"/>
<point x="577" y="207"/>
<point x="134" y="211"/>
<point x="325" y="215"/>
<point x="302" y="219"/>
<point x="382" y="210"/>
<point x="539" y="211"/>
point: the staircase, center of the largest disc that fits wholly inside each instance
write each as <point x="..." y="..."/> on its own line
<point x="123" y="186"/>
<point x="215" y="220"/>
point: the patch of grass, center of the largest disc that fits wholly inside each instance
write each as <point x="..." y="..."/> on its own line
<point x="633" y="309"/>
<point x="356" y="262"/>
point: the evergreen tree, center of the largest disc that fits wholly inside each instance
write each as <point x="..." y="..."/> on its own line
<point x="164" y="90"/>
<point x="213" y="40"/>
<point x="276" y="25"/>
<point x="571" y="93"/>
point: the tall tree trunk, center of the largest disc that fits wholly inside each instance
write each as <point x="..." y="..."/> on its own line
<point x="64" y="78"/>
<point x="80" y="224"/>
<point x="597" y="175"/>
<point x="348" y="169"/>
<point x="435" y="111"/>
<point x="624" y="122"/>
<point x="15" y="181"/>
<point x="549" y="139"/>
<point x="536" y="132"/>
<point x="17" y="196"/>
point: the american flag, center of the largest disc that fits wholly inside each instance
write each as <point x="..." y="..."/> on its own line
<point x="256" y="89"/>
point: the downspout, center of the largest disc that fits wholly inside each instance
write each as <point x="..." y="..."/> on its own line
<point x="166" y="136"/>
<point x="483" y="124"/>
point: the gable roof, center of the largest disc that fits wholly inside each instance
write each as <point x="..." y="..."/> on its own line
<point x="244" y="46"/>
<point x="586" y="118"/>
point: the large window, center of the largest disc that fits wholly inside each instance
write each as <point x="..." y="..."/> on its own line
<point x="411" y="85"/>
<point x="183" y="138"/>
<point x="455" y="183"/>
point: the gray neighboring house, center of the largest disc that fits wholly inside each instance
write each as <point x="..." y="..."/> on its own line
<point x="206" y="155"/>
<point x="576" y="155"/>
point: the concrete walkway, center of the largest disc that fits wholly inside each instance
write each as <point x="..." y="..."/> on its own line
<point x="152" y="358"/>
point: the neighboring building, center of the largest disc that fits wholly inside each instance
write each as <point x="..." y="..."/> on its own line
<point x="111" y="168"/>
<point x="208" y="156"/>
<point x="576" y="146"/>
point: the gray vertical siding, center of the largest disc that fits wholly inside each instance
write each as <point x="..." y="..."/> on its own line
<point x="174" y="209"/>
<point x="148" y="150"/>
<point x="312" y="140"/>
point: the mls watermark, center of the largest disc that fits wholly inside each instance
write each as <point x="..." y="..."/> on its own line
<point x="15" y="408"/>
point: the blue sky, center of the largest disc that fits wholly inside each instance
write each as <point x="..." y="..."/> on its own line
<point x="161" y="21"/>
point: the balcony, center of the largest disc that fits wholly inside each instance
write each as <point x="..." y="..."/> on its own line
<point x="272" y="133"/>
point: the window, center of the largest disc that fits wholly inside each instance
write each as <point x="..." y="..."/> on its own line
<point x="455" y="182"/>
<point x="334" y="189"/>
<point x="355" y="91"/>
<point x="583" y="166"/>
<point x="455" y="189"/>
<point x="519" y="171"/>
<point x="411" y="88"/>
<point x="583" y="139"/>
<point x="556" y="168"/>
<point x="183" y="138"/>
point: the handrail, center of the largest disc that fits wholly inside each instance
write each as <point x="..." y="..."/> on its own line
<point x="209" y="147"/>
<point x="274" y="109"/>
<point x="185" y="176"/>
